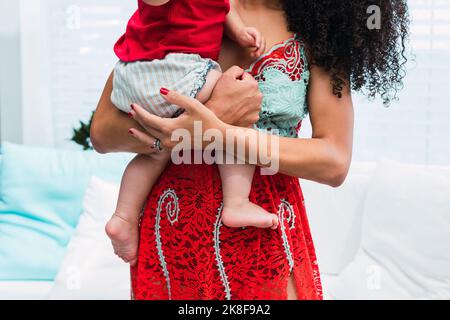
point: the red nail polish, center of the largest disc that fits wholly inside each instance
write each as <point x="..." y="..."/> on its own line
<point x="132" y="107"/>
<point x="130" y="114"/>
<point x="131" y="132"/>
<point x="164" y="91"/>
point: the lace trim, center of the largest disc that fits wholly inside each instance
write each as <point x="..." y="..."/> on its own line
<point x="220" y="265"/>
<point x="286" y="206"/>
<point x="172" y="215"/>
<point x="270" y="52"/>
<point x="288" y="56"/>
<point x="201" y="78"/>
<point x="291" y="218"/>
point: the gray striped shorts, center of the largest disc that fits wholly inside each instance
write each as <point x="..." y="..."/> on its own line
<point x="140" y="82"/>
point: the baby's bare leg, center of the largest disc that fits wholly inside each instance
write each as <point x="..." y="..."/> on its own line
<point x="137" y="182"/>
<point x="211" y="81"/>
<point x="238" y="211"/>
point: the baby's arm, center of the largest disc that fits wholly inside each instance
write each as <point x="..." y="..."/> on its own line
<point x="156" y="2"/>
<point x="234" y="23"/>
<point x="247" y="37"/>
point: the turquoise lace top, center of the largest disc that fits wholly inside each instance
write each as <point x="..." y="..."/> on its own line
<point x="283" y="76"/>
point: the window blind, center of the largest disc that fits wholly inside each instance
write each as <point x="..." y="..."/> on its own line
<point x="81" y="35"/>
<point x="416" y="128"/>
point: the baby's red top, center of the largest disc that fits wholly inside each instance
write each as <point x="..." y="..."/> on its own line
<point x="179" y="26"/>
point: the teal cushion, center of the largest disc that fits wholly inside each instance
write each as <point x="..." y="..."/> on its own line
<point x="41" y="195"/>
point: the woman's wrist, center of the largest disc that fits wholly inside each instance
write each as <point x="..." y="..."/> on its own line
<point x="231" y="118"/>
<point x="215" y="107"/>
<point x="236" y="99"/>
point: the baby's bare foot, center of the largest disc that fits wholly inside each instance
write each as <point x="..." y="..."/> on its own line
<point x="124" y="236"/>
<point x="243" y="213"/>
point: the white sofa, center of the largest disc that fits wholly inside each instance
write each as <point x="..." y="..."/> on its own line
<point x="383" y="235"/>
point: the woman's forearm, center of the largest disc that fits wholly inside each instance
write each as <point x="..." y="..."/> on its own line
<point x="110" y="127"/>
<point x="314" y="159"/>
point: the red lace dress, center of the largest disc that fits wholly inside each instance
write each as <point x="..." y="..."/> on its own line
<point x="187" y="253"/>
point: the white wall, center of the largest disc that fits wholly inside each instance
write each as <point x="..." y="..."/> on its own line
<point x="36" y="108"/>
<point x="24" y="96"/>
<point x="10" y="72"/>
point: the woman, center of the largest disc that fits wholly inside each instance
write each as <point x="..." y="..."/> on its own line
<point x="185" y="252"/>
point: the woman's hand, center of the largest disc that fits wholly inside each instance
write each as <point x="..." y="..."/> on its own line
<point x="236" y="99"/>
<point x="163" y="128"/>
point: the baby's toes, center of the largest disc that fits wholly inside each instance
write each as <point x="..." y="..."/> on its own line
<point x="275" y="222"/>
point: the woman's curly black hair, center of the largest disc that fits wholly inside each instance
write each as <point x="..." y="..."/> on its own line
<point x="341" y="38"/>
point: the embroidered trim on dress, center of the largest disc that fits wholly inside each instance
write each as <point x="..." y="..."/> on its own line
<point x="172" y="215"/>
<point x="291" y="218"/>
<point x="219" y="260"/>
<point x="285" y="205"/>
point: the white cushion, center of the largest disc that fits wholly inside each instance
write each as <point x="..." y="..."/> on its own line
<point x="24" y="290"/>
<point x="365" y="168"/>
<point x="405" y="250"/>
<point x="365" y="279"/>
<point x="335" y="218"/>
<point x="90" y="269"/>
<point x="327" y="281"/>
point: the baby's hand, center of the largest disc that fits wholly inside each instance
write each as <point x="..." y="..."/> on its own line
<point x="251" y="38"/>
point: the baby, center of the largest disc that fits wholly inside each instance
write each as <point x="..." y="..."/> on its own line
<point x="176" y="44"/>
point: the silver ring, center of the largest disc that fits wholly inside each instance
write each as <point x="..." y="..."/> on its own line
<point x="157" y="145"/>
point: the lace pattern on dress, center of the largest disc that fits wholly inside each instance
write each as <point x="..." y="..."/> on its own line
<point x="283" y="76"/>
